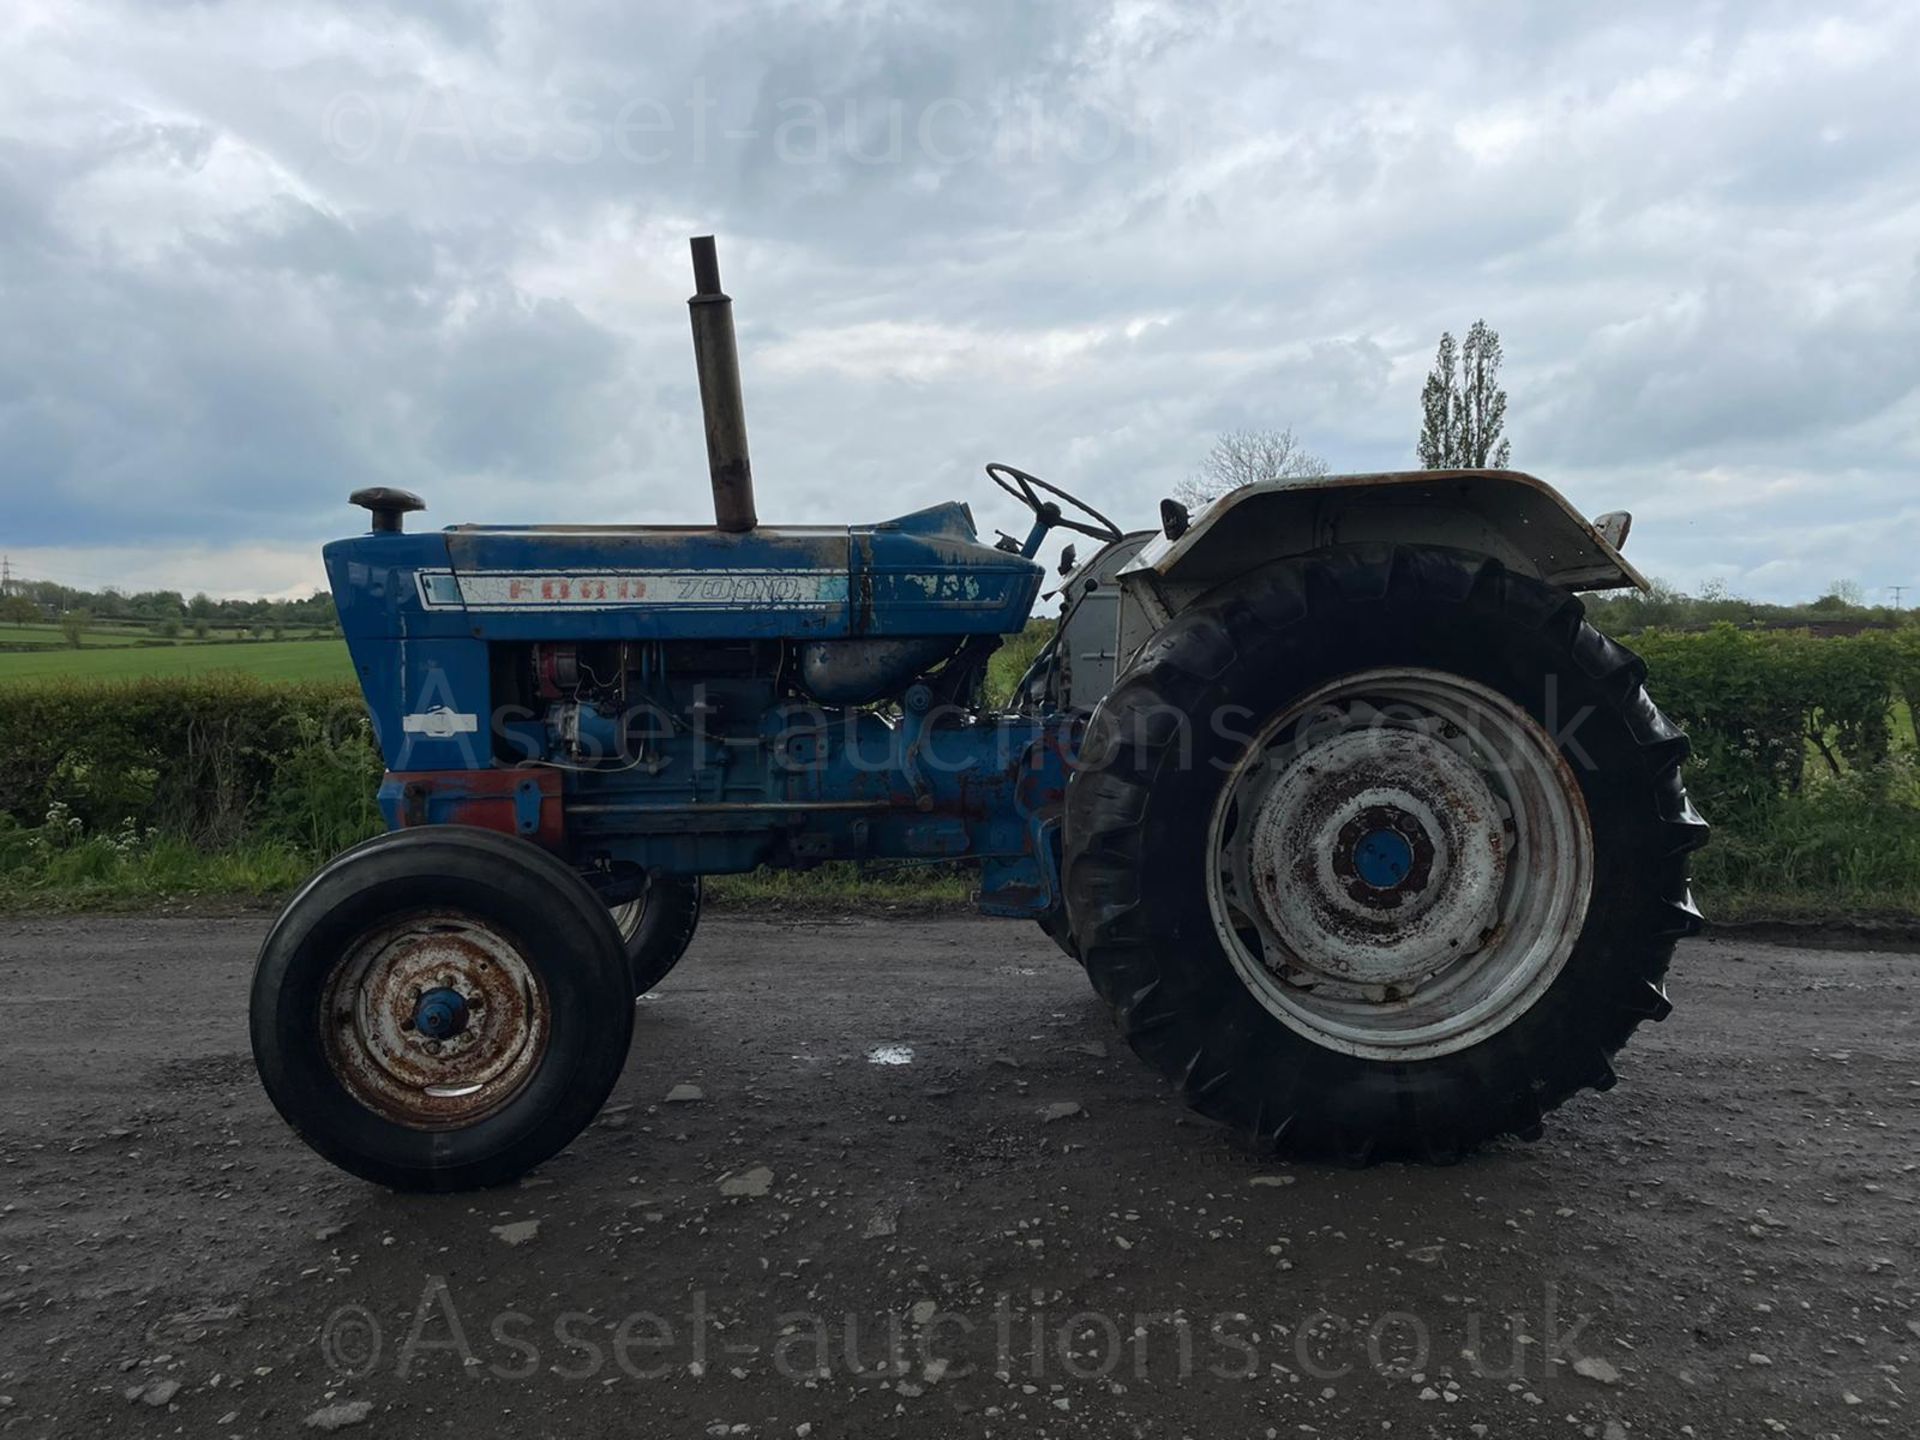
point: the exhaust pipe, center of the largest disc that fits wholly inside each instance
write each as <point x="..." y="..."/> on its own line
<point x="717" y="359"/>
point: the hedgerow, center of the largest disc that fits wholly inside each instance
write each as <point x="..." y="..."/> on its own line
<point x="210" y="760"/>
<point x="1804" y="759"/>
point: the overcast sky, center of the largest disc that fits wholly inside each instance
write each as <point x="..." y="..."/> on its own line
<point x="253" y="257"/>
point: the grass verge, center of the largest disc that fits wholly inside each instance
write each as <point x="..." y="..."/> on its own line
<point x="98" y="876"/>
<point x="1845" y="850"/>
<point x="101" y="875"/>
<point x="907" y="890"/>
<point x="106" y="874"/>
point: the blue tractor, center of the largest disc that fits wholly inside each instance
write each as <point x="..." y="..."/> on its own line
<point x="1371" y="843"/>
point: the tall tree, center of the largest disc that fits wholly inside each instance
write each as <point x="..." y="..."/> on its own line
<point x="1246" y="457"/>
<point x="1463" y="410"/>
<point x="1437" y="446"/>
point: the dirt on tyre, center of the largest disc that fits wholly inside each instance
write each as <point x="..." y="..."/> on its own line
<point x="1381" y="852"/>
<point x="441" y="1008"/>
<point x="656" y="926"/>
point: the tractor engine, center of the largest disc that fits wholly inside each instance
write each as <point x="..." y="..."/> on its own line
<point x="617" y="705"/>
<point x="719" y="755"/>
<point x="622" y="703"/>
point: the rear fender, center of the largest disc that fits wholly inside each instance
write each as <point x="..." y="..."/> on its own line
<point x="1520" y="521"/>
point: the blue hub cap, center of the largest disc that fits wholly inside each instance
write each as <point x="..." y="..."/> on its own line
<point x="441" y="1014"/>
<point x="1383" y="858"/>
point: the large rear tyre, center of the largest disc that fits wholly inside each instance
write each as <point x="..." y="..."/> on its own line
<point x="656" y="926"/>
<point x="1381" y="852"/>
<point x="441" y="1008"/>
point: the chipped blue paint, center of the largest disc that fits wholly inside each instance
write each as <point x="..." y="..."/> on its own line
<point x="423" y="612"/>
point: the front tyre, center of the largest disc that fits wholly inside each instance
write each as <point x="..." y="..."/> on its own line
<point x="441" y="1008"/>
<point x="1381" y="852"/>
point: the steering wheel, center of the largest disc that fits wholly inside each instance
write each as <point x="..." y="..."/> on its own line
<point x="1025" y="488"/>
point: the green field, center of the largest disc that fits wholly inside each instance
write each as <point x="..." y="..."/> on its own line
<point x="94" y="635"/>
<point x="267" y="660"/>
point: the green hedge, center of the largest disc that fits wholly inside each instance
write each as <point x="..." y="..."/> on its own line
<point x="1804" y="760"/>
<point x="1762" y="706"/>
<point x="213" y="760"/>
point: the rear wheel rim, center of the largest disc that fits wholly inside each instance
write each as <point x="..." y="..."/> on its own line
<point x="435" y="1021"/>
<point x="1400" y="864"/>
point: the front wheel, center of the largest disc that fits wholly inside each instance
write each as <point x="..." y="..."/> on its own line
<point x="441" y="1008"/>
<point x="1381" y="852"/>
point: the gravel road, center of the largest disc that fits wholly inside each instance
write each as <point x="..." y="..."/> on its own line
<point x="878" y="1177"/>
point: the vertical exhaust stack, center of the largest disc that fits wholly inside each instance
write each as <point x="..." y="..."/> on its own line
<point x="717" y="358"/>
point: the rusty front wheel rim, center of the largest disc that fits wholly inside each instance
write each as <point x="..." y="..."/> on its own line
<point x="1400" y="864"/>
<point x="442" y="1075"/>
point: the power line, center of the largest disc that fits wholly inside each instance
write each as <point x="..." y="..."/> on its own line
<point x="1898" y="591"/>
<point x="66" y="577"/>
<point x="74" y="581"/>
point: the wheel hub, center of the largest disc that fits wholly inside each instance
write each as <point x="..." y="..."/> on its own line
<point x="441" y="1014"/>
<point x="1378" y="857"/>
<point x="1385" y="854"/>
<point x="1382" y="859"/>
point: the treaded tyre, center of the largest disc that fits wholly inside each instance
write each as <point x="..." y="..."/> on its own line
<point x="1381" y="852"/>
<point x="441" y="1008"/>
<point x="657" y="926"/>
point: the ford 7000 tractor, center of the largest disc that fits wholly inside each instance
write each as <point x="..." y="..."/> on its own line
<point x="1373" y="846"/>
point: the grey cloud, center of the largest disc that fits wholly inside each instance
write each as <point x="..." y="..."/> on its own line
<point x="1110" y="231"/>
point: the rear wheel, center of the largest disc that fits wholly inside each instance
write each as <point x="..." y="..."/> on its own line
<point x="656" y="926"/>
<point x="441" y="1008"/>
<point x="1381" y="852"/>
